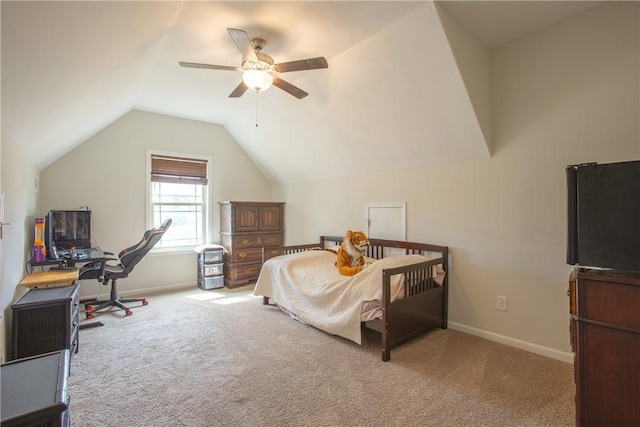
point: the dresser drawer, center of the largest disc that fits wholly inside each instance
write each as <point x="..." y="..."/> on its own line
<point x="616" y="304"/>
<point x="257" y="240"/>
<point x="243" y="271"/>
<point x="246" y="255"/>
<point x="273" y="239"/>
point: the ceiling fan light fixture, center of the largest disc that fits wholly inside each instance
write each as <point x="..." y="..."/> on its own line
<point x="257" y="80"/>
<point x="259" y="70"/>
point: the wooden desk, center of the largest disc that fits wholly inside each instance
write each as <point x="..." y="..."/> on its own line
<point x="42" y="279"/>
<point x="50" y="277"/>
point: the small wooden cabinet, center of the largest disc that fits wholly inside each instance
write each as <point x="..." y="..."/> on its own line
<point x="245" y="228"/>
<point x="45" y="320"/>
<point x="606" y="341"/>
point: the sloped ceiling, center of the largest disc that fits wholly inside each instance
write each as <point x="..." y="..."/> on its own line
<point x="391" y="97"/>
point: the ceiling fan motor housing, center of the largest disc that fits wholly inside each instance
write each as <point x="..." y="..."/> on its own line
<point x="265" y="61"/>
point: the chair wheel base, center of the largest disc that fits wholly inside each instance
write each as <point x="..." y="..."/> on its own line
<point x="92" y="307"/>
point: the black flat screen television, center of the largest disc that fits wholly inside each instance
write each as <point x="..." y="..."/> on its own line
<point x="67" y="229"/>
<point x="603" y="206"/>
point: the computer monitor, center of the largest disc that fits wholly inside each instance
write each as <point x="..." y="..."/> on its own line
<point x="68" y="228"/>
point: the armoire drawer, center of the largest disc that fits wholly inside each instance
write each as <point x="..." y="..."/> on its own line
<point x="243" y="271"/>
<point x="257" y="240"/>
<point x="246" y="255"/>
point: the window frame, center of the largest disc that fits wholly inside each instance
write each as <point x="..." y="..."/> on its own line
<point x="206" y="208"/>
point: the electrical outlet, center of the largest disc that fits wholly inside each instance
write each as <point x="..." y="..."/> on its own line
<point x="502" y="303"/>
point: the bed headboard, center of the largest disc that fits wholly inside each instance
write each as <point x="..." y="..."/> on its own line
<point x="377" y="248"/>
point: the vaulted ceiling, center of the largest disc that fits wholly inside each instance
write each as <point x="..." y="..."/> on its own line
<point x="393" y="95"/>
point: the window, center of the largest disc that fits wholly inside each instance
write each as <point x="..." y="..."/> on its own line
<point x="178" y="189"/>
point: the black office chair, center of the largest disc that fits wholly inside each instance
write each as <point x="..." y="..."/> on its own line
<point x="105" y="272"/>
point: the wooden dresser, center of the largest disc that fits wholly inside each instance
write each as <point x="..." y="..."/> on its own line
<point x="606" y="341"/>
<point x="246" y="227"/>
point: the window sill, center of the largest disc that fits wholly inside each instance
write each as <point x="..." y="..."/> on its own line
<point x="172" y="251"/>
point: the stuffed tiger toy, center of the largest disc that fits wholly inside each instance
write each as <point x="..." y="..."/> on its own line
<point x="351" y="253"/>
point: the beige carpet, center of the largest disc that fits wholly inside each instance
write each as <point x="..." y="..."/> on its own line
<point x="219" y="357"/>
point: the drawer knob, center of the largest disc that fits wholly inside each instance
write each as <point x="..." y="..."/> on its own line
<point x="242" y="254"/>
<point x="245" y="242"/>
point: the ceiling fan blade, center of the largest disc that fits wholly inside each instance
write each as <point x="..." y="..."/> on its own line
<point x="242" y="40"/>
<point x="289" y="88"/>
<point x="303" y="64"/>
<point x="239" y="90"/>
<point x="208" y="66"/>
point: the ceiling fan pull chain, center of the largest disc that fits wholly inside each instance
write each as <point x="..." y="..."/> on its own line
<point x="257" y="93"/>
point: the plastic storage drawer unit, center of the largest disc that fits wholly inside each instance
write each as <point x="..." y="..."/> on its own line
<point x="210" y="267"/>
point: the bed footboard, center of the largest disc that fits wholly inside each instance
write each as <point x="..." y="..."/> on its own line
<point x="421" y="309"/>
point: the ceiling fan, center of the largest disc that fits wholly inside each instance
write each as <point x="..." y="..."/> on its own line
<point x="258" y="70"/>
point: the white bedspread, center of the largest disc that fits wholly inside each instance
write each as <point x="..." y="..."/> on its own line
<point x="309" y="285"/>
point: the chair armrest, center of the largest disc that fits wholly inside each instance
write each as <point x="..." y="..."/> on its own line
<point x="103" y="266"/>
<point x="99" y="265"/>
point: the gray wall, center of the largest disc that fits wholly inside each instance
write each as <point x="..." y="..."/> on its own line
<point x="566" y="94"/>
<point x="107" y="173"/>
<point x="20" y="207"/>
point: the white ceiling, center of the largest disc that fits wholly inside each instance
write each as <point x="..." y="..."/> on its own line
<point x="500" y="21"/>
<point x="71" y="68"/>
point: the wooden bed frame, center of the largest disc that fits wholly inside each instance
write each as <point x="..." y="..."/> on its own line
<point x="425" y="303"/>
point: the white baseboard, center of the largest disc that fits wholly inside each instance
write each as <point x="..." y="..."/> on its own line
<point x="160" y="289"/>
<point x="143" y="292"/>
<point x="563" y="356"/>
